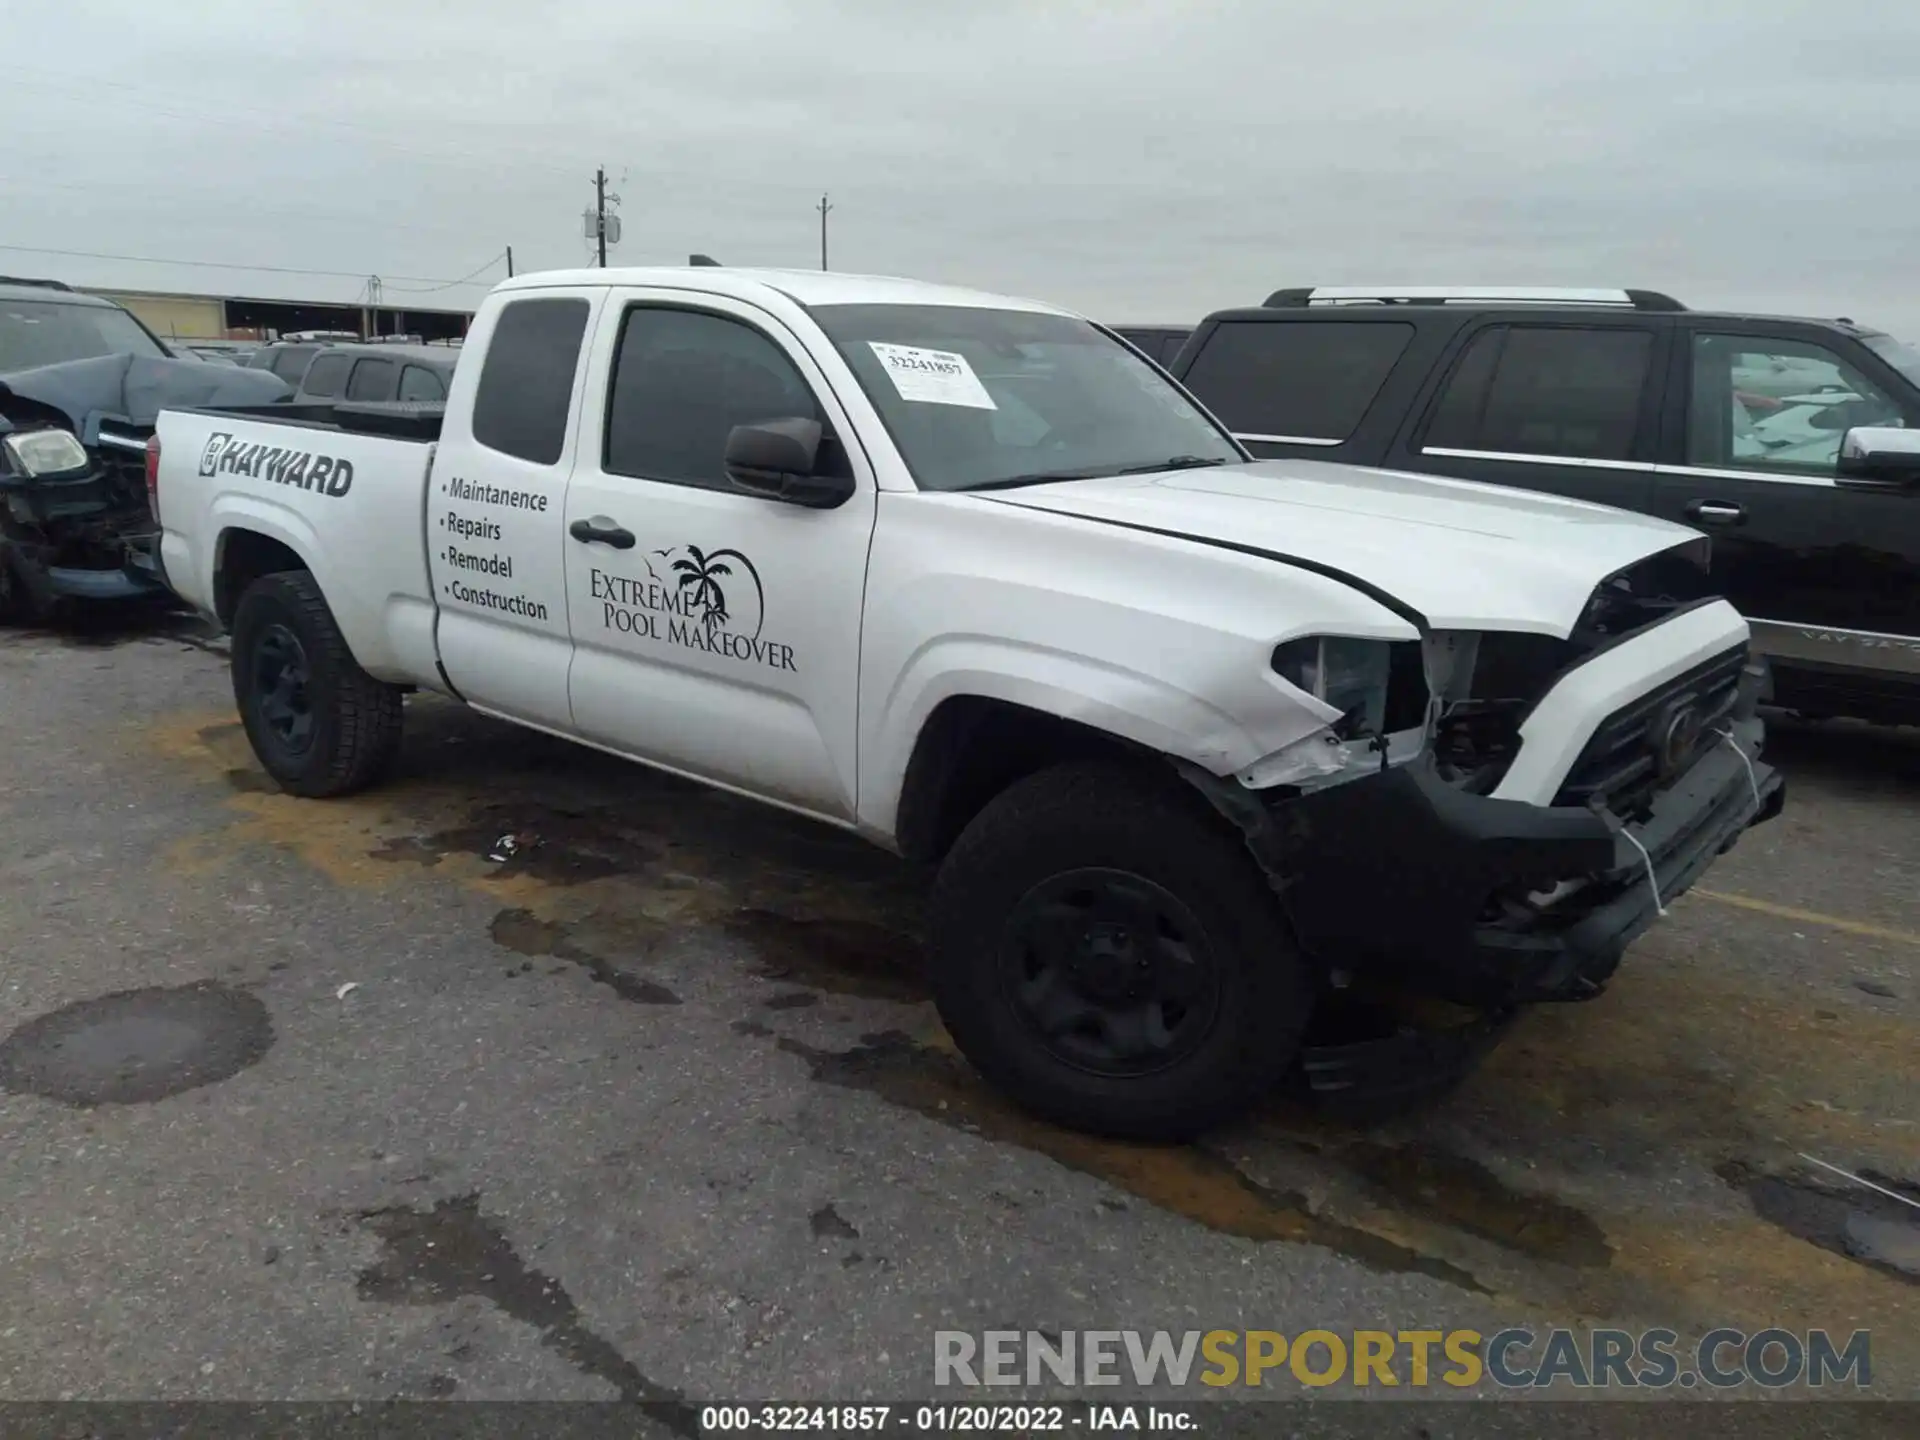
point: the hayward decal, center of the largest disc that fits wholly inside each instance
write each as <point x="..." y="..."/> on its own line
<point x="706" y="600"/>
<point x="276" y="464"/>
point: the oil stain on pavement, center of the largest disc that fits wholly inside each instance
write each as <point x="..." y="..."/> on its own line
<point x="136" y="1046"/>
<point x="430" y="1257"/>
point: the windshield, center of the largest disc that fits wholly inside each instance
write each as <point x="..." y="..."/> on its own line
<point x="47" y="332"/>
<point x="1897" y="353"/>
<point x="976" y="398"/>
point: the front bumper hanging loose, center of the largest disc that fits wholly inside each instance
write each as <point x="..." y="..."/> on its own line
<point x="1498" y="903"/>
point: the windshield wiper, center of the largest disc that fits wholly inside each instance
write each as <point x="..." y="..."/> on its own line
<point x="1178" y="462"/>
<point x="1095" y="472"/>
<point x="1039" y="477"/>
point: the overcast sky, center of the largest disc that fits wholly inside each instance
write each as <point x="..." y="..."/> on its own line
<point x="1137" y="160"/>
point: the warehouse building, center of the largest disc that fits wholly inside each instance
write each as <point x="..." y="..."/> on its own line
<point x="227" y="317"/>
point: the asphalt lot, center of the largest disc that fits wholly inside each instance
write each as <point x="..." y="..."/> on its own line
<point x="656" y="1105"/>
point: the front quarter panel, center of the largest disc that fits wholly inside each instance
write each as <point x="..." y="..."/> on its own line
<point x="1163" y="642"/>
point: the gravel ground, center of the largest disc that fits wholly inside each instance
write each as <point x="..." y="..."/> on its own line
<point x="655" y="1107"/>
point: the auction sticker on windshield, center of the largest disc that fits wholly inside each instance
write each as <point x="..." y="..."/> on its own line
<point x="935" y="377"/>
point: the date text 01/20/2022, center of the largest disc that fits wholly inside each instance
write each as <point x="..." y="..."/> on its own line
<point x="985" y="1419"/>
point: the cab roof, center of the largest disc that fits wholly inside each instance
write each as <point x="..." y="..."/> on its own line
<point x="804" y="287"/>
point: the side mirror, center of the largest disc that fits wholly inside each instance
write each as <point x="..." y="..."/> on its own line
<point x="1880" y="454"/>
<point x="775" y="459"/>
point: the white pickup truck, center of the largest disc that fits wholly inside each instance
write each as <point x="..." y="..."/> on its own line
<point x="1194" y="741"/>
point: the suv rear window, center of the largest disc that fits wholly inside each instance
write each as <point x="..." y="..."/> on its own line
<point x="291" y="364"/>
<point x="325" y="375"/>
<point x="1295" y="379"/>
<point x="526" y="385"/>
<point x="1539" y="390"/>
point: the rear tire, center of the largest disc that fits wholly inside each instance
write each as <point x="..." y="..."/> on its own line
<point x="320" y="725"/>
<point x="1107" y="954"/>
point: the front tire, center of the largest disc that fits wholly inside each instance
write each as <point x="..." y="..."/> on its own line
<point x="319" y="724"/>
<point x="1107" y="954"/>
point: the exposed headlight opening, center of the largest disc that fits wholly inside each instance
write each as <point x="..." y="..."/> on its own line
<point x="40" y="453"/>
<point x="1380" y="689"/>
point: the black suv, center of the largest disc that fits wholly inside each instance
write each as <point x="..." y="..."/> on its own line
<point x="1794" y="443"/>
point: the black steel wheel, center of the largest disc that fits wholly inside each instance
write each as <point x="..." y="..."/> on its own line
<point x="1106" y="952"/>
<point x="281" y="681"/>
<point x="1112" y="970"/>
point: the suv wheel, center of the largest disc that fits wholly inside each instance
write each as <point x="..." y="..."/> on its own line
<point x="1107" y="953"/>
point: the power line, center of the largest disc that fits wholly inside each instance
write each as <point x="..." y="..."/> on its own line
<point x="467" y="279"/>
<point x="361" y="275"/>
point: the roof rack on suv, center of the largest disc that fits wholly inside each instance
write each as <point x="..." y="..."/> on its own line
<point x="1467" y="294"/>
<point x="42" y="284"/>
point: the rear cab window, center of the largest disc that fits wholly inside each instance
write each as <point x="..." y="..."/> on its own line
<point x="1303" y="382"/>
<point x="525" y="395"/>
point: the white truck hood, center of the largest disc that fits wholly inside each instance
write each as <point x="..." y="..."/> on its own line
<point x="1466" y="556"/>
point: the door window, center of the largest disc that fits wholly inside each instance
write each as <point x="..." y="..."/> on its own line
<point x="1540" y="390"/>
<point x="1765" y="404"/>
<point x="682" y="380"/>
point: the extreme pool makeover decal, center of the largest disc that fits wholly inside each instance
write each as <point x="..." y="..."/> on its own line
<point x="706" y="600"/>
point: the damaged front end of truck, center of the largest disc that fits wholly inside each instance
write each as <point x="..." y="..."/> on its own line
<point x="1474" y="832"/>
<point x="76" y="521"/>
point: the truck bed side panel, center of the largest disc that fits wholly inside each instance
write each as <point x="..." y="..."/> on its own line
<point x="349" y="505"/>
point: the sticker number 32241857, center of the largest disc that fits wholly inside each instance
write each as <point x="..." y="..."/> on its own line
<point x="934" y="377"/>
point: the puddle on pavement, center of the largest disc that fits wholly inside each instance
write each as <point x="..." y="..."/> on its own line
<point x="524" y="933"/>
<point x="136" y="1046"/>
<point x="1870" y="1228"/>
<point x="1187" y="1181"/>
<point x="434" y="1257"/>
<point x="845" y="957"/>
<point x="546" y="843"/>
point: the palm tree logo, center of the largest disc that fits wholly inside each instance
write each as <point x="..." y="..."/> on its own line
<point x="700" y="575"/>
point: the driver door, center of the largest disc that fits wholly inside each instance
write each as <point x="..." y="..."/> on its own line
<point x="1755" y="429"/>
<point x="716" y="633"/>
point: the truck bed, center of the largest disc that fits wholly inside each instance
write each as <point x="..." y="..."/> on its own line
<point x="417" y="420"/>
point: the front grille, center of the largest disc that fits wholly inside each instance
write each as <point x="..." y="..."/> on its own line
<point x="1620" y="769"/>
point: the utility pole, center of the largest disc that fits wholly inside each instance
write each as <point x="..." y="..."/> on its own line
<point x="509" y="262"/>
<point x="823" y="207"/>
<point x="600" y="211"/>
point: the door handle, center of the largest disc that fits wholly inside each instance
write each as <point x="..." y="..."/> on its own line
<point x="1716" y="512"/>
<point x="601" y="531"/>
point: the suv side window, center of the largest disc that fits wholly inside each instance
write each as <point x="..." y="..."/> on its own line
<point x="1540" y="390"/>
<point x="1302" y="380"/>
<point x="525" y="394"/>
<point x="682" y="379"/>
<point x="372" y="380"/>
<point x="419" y="383"/>
<point x="1756" y="403"/>
<point x="325" y="376"/>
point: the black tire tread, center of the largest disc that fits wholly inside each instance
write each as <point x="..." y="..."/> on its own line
<point x="368" y="714"/>
<point x="1119" y="809"/>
